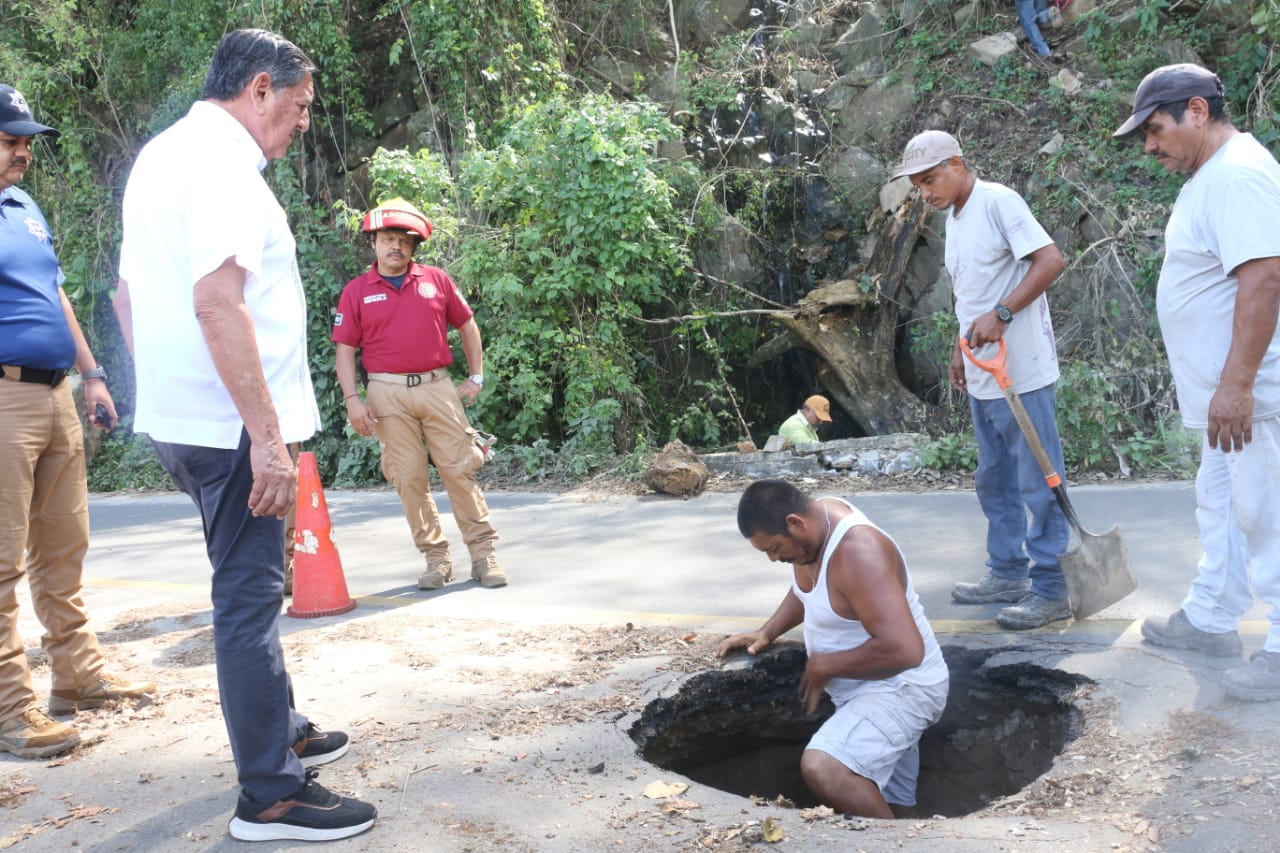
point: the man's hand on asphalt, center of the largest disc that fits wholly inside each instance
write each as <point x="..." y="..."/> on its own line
<point x="1230" y="419"/>
<point x="275" y="479"/>
<point x="360" y="416"/>
<point x="753" y="643"/>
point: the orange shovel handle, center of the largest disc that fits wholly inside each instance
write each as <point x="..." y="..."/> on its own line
<point x="995" y="367"/>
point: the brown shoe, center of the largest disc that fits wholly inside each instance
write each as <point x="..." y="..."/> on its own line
<point x="488" y="572"/>
<point x="108" y="688"/>
<point x="438" y="573"/>
<point x="34" y="734"/>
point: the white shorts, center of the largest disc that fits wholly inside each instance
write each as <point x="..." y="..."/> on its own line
<point x="876" y="734"/>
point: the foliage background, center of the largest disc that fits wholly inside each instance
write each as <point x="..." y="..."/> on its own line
<point x="567" y="215"/>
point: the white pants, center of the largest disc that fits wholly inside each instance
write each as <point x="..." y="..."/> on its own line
<point x="1238" y="511"/>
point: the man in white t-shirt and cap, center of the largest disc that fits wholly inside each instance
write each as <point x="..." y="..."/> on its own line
<point x="1001" y="262"/>
<point x="1217" y="299"/>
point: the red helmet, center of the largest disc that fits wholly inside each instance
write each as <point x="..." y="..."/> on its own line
<point x="398" y="214"/>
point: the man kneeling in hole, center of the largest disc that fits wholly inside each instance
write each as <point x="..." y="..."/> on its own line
<point x="869" y="646"/>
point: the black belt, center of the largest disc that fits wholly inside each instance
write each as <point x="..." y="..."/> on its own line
<point x="34" y="375"/>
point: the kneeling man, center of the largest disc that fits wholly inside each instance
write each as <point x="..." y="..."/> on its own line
<point x="869" y="645"/>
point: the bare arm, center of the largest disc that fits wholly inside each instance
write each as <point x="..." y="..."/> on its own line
<point x="358" y="412"/>
<point x="228" y="331"/>
<point x="95" y="390"/>
<point x="1047" y="264"/>
<point x="124" y="314"/>
<point x="789" y="614"/>
<point x="1254" y="325"/>
<point x="867" y="581"/>
<point x="473" y="349"/>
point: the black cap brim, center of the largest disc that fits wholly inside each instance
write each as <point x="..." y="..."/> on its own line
<point x="1134" y="123"/>
<point x="29" y="128"/>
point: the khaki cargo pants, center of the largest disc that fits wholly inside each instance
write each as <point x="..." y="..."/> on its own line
<point x="426" y="423"/>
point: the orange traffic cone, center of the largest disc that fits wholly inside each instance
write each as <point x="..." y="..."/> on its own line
<point x="319" y="589"/>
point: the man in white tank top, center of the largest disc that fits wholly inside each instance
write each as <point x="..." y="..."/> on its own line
<point x="869" y="645"/>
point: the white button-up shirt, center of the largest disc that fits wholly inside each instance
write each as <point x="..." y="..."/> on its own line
<point x="196" y="197"/>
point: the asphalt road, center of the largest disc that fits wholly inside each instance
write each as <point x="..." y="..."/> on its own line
<point x="579" y="557"/>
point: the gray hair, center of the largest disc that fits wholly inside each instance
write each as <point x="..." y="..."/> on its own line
<point x="244" y="54"/>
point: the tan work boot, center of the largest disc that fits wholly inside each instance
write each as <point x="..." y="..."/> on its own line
<point x="439" y="572"/>
<point x="34" y="734"/>
<point x="108" y="688"/>
<point x="488" y="572"/>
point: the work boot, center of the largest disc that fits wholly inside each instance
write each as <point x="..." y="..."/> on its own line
<point x="439" y="572"/>
<point x="1033" y="611"/>
<point x="488" y="572"/>
<point x="108" y="688"/>
<point x="1177" y="632"/>
<point x="991" y="588"/>
<point x="1259" y="680"/>
<point x="34" y="734"/>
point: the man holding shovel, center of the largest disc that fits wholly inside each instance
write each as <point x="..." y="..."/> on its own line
<point x="1217" y="300"/>
<point x="1001" y="262"/>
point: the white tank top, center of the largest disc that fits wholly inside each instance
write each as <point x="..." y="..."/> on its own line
<point x="827" y="631"/>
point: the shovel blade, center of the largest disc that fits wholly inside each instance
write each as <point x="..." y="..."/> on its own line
<point x="1097" y="571"/>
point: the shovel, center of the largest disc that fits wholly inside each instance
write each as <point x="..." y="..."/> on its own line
<point x="1097" y="570"/>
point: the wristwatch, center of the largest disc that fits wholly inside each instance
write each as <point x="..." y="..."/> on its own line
<point x="1003" y="313"/>
<point x="478" y="379"/>
<point x="96" y="373"/>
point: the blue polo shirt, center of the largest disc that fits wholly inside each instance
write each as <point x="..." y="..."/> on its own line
<point x="33" y="327"/>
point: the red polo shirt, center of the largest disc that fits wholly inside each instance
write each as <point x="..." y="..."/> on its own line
<point x="405" y="330"/>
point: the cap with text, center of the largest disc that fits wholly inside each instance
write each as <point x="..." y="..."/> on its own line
<point x="820" y="406"/>
<point x="926" y="150"/>
<point x="15" y="115"/>
<point x="1166" y="85"/>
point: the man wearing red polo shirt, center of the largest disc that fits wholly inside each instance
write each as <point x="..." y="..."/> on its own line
<point x="398" y="314"/>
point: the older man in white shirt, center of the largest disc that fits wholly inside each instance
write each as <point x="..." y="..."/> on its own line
<point x="213" y="308"/>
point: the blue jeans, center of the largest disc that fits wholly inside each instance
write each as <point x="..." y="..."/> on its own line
<point x="1009" y="482"/>
<point x="1032" y="13"/>
<point x="247" y="555"/>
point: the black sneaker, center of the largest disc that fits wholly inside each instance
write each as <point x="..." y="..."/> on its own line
<point x="317" y="747"/>
<point x="313" y="813"/>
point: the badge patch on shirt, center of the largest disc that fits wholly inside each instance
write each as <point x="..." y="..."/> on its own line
<point x="377" y="297"/>
<point x="426" y="289"/>
<point x="337" y="319"/>
<point x="36" y="228"/>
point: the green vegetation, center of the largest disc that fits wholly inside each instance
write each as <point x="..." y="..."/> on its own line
<point x="574" y="237"/>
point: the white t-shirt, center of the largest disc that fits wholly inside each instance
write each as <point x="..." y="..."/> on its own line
<point x="196" y="197"/>
<point x="987" y="245"/>
<point x="1228" y="213"/>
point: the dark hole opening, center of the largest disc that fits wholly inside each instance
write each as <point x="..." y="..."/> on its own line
<point x="743" y="730"/>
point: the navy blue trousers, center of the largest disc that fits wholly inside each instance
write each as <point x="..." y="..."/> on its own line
<point x="247" y="555"/>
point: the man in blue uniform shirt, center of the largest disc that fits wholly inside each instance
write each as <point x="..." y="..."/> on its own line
<point x="44" y="509"/>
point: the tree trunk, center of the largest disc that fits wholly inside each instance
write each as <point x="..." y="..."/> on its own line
<point x="852" y="327"/>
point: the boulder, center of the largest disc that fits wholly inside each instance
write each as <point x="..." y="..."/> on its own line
<point x="677" y="470"/>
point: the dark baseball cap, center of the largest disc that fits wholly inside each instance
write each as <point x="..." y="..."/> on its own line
<point x="1169" y="84"/>
<point x="15" y="115"/>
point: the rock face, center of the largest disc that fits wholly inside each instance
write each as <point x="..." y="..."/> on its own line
<point x="872" y="456"/>
<point x="677" y="470"/>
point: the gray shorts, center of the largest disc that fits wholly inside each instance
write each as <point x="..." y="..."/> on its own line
<point x="876" y="734"/>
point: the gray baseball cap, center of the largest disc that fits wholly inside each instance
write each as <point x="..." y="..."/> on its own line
<point x="926" y="150"/>
<point x="15" y="115"/>
<point x="1169" y="84"/>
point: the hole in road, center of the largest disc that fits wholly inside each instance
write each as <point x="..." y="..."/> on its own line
<point x="743" y="730"/>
